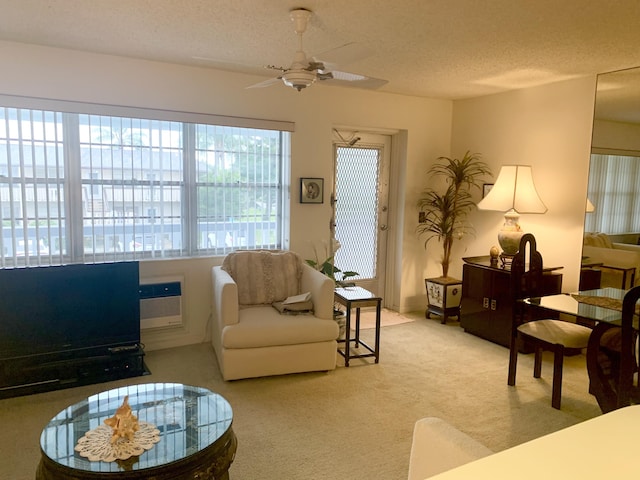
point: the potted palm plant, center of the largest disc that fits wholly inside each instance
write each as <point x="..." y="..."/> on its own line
<point x="443" y="217"/>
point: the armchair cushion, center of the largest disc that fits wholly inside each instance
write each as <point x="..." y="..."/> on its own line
<point x="265" y="327"/>
<point x="264" y="277"/>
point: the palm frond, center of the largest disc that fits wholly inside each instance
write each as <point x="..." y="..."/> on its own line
<point x="445" y="213"/>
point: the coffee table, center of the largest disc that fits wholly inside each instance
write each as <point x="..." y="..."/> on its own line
<point x="196" y="439"/>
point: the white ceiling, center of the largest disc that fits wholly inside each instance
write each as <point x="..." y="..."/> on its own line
<point x="434" y="48"/>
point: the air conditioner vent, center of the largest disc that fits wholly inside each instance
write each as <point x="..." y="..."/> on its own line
<point x="161" y="303"/>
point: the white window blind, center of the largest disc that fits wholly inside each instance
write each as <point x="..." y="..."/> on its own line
<point x="84" y="187"/>
<point x="614" y="186"/>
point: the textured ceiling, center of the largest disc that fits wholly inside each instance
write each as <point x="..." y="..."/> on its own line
<point x="434" y="48"/>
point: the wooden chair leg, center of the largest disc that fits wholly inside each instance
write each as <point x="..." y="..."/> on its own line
<point x="537" y="363"/>
<point x="513" y="360"/>
<point x="556" y="391"/>
<point x="599" y="385"/>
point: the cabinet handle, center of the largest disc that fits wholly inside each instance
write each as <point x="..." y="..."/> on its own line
<point x="493" y="304"/>
<point x="485" y="302"/>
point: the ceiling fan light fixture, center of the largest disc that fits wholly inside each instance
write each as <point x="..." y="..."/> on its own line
<point x="299" y="78"/>
<point x="305" y="71"/>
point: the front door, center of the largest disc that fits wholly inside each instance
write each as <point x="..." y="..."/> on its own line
<point x="360" y="203"/>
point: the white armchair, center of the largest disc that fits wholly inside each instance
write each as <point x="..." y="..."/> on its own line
<point x="253" y="339"/>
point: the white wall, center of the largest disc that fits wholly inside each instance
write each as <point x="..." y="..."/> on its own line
<point x="548" y="127"/>
<point x="423" y="129"/>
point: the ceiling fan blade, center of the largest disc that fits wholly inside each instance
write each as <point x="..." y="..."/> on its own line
<point x="346" y="79"/>
<point x="266" y="83"/>
<point x="344" y="54"/>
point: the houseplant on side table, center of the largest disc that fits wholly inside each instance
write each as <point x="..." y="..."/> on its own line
<point x="443" y="216"/>
<point x="328" y="268"/>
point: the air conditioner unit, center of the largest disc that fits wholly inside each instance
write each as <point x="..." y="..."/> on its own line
<point x="161" y="302"/>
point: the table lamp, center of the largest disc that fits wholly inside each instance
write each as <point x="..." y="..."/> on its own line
<point x="514" y="193"/>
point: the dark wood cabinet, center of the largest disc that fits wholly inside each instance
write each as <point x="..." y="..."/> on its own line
<point x="486" y="298"/>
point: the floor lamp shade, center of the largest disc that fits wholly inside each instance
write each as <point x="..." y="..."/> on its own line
<point x="514" y="193"/>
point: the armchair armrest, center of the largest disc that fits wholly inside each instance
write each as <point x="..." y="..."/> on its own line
<point x="321" y="288"/>
<point x="225" y="298"/>
<point x="627" y="246"/>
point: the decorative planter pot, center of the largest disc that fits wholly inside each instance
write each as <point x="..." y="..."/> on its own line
<point x="443" y="297"/>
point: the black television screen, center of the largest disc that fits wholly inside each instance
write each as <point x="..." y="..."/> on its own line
<point x="53" y="309"/>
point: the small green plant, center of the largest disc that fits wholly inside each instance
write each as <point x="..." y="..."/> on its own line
<point x="328" y="268"/>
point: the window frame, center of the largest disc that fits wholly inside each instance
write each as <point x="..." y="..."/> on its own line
<point x="73" y="219"/>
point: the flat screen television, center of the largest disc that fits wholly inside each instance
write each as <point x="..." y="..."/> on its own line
<point x="68" y="311"/>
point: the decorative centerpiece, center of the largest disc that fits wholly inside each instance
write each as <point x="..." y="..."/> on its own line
<point x="121" y="437"/>
<point x="124" y="423"/>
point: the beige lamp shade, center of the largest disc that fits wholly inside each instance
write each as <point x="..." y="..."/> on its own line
<point x="513" y="193"/>
<point x="514" y="189"/>
<point x="590" y="207"/>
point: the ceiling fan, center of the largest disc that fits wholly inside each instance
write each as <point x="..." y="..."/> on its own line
<point x="304" y="71"/>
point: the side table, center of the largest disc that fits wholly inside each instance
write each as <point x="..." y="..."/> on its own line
<point x="625" y="271"/>
<point x="358" y="297"/>
<point x="590" y="275"/>
<point x="196" y="439"/>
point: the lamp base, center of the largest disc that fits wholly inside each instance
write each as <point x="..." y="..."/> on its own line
<point x="506" y="260"/>
<point x="510" y="234"/>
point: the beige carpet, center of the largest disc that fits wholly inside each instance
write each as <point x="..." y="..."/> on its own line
<point x="354" y="422"/>
<point x="387" y="318"/>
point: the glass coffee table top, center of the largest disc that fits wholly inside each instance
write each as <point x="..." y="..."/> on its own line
<point x="190" y="419"/>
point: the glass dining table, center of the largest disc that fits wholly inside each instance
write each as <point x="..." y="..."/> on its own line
<point x="601" y="309"/>
<point x="588" y="306"/>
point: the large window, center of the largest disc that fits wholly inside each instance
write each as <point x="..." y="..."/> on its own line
<point x="78" y="187"/>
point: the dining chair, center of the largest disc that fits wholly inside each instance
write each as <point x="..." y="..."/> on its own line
<point x="558" y="336"/>
<point x="612" y="358"/>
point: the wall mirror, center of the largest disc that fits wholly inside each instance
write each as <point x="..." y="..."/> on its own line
<point x="613" y="195"/>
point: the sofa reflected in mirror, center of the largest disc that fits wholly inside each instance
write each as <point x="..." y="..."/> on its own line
<point x="618" y="262"/>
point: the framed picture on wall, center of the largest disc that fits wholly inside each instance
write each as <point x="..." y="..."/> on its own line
<point x="486" y="188"/>
<point x="311" y="190"/>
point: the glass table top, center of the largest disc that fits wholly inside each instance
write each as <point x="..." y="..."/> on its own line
<point x="355" y="293"/>
<point x="189" y="418"/>
<point x="567" y="303"/>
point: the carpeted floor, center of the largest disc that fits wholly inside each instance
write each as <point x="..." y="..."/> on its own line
<point x="352" y="422"/>
<point x="387" y="318"/>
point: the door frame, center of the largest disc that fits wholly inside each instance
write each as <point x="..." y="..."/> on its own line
<point x="397" y="171"/>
